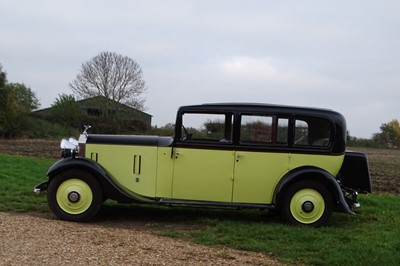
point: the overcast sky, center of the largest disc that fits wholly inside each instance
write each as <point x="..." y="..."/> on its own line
<point x="341" y="55"/>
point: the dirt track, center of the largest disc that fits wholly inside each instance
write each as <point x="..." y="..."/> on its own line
<point x="40" y="239"/>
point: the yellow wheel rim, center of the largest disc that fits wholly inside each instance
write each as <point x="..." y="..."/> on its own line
<point x="307" y="206"/>
<point x="74" y="196"/>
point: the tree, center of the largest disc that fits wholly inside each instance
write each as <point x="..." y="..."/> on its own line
<point x="390" y="134"/>
<point x="17" y="101"/>
<point x="166" y="130"/>
<point x="392" y="129"/>
<point x="67" y="112"/>
<point x="3" y="78"/>
<point x="116" y="77"/>
<point x="25" y="97"/>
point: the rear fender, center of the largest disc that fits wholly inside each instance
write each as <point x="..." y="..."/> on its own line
<point x="317" y="174"/>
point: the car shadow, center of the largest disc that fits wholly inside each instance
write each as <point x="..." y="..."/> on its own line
<point x="163" y="217"/>
<point x="156" y="217"/>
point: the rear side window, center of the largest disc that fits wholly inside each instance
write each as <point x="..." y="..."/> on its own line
<point x="282" y="131"/>
<point x="312" y="132"/>
<point x="256" y="129"/>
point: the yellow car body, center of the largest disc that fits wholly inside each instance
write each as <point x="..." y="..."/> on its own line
<point x="230" y="155"/>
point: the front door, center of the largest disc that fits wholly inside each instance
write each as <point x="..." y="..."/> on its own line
<point x="203" y="174"/>
<point x="204" y="158"/>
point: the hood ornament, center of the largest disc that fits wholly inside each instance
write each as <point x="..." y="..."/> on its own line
<point x="85" y="129"/>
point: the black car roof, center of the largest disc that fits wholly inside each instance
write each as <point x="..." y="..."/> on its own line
<point x="262" y="107"/>
<point x="287" y="111"/>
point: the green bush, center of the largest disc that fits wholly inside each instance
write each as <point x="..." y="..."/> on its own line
<point x="43" y="129"/>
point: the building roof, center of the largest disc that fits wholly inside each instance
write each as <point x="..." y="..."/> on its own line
<point x="95" y="101"/>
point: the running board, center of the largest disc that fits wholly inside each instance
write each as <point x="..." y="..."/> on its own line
<point x="165" y="201"/>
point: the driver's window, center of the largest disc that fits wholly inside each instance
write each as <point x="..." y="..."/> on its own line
<point x="207" y="127"/>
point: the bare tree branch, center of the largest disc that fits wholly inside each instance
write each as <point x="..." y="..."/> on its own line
<point x="116" y="77"/>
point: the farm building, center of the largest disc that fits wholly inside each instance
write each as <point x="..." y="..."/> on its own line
<point x="98" y="110"/>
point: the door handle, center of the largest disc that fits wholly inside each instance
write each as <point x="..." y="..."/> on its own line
<point x="177" y="154"/>
<point x="238" y="156"/>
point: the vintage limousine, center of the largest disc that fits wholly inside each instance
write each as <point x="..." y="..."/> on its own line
<point x="292" y="159"/>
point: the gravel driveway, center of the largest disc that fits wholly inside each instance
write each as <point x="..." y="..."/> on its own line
<point x="40" y="239"/>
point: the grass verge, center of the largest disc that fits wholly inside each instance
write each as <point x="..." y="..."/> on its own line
<point x="369" y="238"/>
<point x="18" y="176"/>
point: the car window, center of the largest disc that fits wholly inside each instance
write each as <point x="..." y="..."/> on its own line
<point x="256" y="129"/>
<point x="312" y="132"/>
<point x="207" y="127"/>
<point x="301" y="133"/>
<point x="282" y="131"/>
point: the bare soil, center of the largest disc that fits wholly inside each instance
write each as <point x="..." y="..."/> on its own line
<point x="31" y="147"/>
<point x="384" y="166"/>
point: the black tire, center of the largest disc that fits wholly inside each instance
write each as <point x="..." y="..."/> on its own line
<point x="74" y="195"/>
<point x="307" y="203"/>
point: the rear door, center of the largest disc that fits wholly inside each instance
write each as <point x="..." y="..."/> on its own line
<point x="260" y="160"/>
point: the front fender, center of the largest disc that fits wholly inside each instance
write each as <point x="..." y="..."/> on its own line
<point x="110" y="188"/>
<point x="77" y="162"/>
<point x="317" y="174"/>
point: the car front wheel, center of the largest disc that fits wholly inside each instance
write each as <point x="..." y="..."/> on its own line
<point x="74" y="195"/>
<point x="307" y="203"/>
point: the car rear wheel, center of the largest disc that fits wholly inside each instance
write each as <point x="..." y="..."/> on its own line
<point x="307" y="203"/>
<point x="74" y="195"/>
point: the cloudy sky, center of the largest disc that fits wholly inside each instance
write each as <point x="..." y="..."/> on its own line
<point x="341" y="55"/>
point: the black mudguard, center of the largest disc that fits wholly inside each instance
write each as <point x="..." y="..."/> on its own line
<point x="110" y="188"/>
<point x="317" y="174"/>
